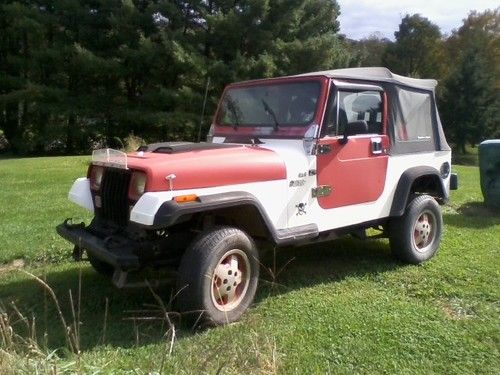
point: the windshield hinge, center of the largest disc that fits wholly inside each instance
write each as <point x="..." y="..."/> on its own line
<point x="323" y="149"/>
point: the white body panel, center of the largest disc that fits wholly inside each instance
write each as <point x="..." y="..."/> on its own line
<point x="268" y="193"/>
<point x="80" y="194"/>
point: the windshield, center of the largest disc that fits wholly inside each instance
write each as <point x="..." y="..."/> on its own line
<point x="274" y="105"/>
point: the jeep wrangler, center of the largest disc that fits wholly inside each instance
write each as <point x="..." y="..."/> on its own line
<point x="288" y="161"/>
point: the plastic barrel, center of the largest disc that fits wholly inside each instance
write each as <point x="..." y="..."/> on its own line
<point x="489" y="169"/>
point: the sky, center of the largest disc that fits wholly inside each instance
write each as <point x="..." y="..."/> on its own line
<point x="360" y="18"/>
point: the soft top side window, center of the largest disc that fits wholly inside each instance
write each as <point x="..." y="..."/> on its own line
<point x="414" y="120"/>
<point x="347" y="106"/>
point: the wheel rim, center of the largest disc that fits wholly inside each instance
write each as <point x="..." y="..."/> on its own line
<point x="424" y="231"/>
<point x="230" y="280"/>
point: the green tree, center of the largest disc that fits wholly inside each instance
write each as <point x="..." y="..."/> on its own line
<point x="470" y="103"/>
<point x="369" y="51"/>
<point x="78" y="74"/>
<point x="417" y="51"/>
<point x="21" y="41"/>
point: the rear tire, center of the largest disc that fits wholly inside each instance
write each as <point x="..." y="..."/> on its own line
<point x="218" y="276"/>
<point x="415" y="236"/>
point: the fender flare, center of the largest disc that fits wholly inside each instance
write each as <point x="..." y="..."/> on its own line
<point x="171" y="212"/>
<point x="405" y="183"/>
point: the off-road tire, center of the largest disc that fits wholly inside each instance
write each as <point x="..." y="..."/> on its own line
<point x="415" y="236"/>
<point x="101" y="267"/>
<point x="199" y="273"/>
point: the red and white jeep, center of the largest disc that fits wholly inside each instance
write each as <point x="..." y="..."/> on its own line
<point x="289" y="160"/>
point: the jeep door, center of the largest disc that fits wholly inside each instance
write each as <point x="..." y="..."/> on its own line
<point x="352" y="151"/>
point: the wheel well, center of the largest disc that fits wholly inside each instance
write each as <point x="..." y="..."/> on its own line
<point x="245" y="217"/>
<point x="420" y="180"/>
<point x="429" y="184"/>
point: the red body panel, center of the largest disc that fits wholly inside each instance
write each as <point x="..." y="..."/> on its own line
<point x="208" y="168"/>
<point x="354" y="173"/>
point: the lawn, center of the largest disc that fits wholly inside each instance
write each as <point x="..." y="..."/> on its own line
<point x="341" y="307"/>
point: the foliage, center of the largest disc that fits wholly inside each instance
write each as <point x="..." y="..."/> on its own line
<point x="416" y="51"/>
<point x="369" y="51"/>
<point x="339" y="307"/>
<point x="76" y="74"/>
<point x="471" y="99"/>
<point x="80" y="74"/>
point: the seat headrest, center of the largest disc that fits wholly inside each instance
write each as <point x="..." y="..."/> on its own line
<point x="366" y="102"/>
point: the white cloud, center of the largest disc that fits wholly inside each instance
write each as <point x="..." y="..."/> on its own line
<point x="360" y="18"/>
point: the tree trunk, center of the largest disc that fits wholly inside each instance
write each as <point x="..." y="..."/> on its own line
<point x="462" y="148"/>
<point x="70" y="129"/>
<point x="10" y="125"/>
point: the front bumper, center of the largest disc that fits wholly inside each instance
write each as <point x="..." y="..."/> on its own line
<point x="114" y="250"/>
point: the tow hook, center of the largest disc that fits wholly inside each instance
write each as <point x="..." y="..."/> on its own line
<point x="68" y="223"/>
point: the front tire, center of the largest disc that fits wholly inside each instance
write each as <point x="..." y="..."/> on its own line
<point x="218" y="276"/>
<point x="415" y="237"/>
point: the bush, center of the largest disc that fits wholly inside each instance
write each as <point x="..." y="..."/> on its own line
<point x="4" y="143"/>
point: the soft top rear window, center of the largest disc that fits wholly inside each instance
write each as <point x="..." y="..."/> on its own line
<point x="270" y="105"/>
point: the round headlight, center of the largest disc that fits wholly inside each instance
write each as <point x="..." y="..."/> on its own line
<point x="96" y="174"/>
<point x="137" y="185"/>
<point x="140" y="183"/>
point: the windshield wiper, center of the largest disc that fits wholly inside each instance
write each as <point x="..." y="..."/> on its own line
<point x="270" y="112"/>
<point x="234" y="112"/>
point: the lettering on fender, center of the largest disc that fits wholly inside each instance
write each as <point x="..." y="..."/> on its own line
<point x="297" y="183"/>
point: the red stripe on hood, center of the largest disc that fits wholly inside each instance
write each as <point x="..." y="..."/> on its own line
<point x="209" y="168"/>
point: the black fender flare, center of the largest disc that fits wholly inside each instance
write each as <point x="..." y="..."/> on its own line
<point x="171" y="213"/>
<point x="405" y="183"/>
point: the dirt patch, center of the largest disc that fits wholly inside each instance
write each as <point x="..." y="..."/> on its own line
<point x="14" y="265"/>
<point x="456" y="309"/>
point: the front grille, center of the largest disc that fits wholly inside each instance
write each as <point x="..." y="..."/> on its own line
<point x="114" y="196"/>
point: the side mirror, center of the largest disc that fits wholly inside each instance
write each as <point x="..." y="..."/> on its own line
<point x="353" y="128"/>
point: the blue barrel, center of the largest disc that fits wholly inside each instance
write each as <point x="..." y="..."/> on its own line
<point x="489" y="168"/>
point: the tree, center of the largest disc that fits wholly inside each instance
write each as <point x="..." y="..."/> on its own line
<point x="471" y="100"/>
<point x="369" y="51"/>
<point x="79" y="74"/>
<point x="417" y="50"/>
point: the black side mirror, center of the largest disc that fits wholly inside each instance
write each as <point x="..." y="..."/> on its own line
<point x="352" y="128"/>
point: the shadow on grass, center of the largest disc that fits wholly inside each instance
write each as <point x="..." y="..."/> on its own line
<point x="473" y="215"/>
<point x="300" y="267"/>
<point x="330" y="261"/>
<point x="100" y="302"/>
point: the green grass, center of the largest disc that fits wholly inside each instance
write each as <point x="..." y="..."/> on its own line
<point x="342" y="307"/>
<point x="33" y="200"/>
<point x="470" y="157"/>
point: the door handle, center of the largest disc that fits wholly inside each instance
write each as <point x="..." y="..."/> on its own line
<point x="377" y="146"/>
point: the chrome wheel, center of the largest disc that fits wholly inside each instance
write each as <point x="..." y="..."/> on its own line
<point x="424" y="231"/>
<point x="230" y="280"/>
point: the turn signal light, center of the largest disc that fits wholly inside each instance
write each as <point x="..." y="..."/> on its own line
<point x="186" y="198"/>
